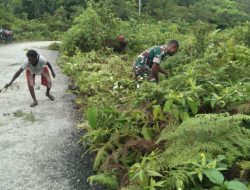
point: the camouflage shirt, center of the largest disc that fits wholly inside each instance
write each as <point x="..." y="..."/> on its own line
<point x="153" y="55"/>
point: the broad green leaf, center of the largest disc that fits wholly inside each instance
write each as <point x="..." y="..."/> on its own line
<point x="200" y="176"/>
<point x="203" y="160"/>
<point x="221" y="157"/>
<point x="236" y="185"/>
<point x="157" y="112"/>
<point x="168" y="105"/>
<point x="147" y="133"/>
<point x="214" y="176"/>
<point x="213" y="103"/>
<point x="184" y="115"/>
<point x="194" y="106"/>
<point x="92" y="117"/>
<point x="159" y="184"/>
<point x="176" y="112"/>
<point x="154" y="173"/>
<point x="212" y="164"/>
<point x="141" y="175"/>
<point x="179" y="184"/>
<point x="152" y="184"/>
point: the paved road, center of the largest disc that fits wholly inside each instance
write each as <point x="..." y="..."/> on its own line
<point x="44" y="154"/>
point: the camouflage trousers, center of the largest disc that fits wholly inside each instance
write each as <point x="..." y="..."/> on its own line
<point x="141" y="69"/>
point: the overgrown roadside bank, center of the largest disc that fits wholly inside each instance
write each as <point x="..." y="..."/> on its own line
<point x="181" y="134"/>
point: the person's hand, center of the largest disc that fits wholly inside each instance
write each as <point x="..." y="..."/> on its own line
<point x="54" y="74"/>
<point x="7" y="85"/>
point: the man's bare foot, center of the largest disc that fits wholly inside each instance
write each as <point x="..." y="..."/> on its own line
<point x="52" y="98"/>
<point x="34" y="104"/>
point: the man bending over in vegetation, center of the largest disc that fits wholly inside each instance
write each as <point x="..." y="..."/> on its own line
<point x="148" y="63"/>
<point x="121" y="44"/>
<point x="35" y="64"/>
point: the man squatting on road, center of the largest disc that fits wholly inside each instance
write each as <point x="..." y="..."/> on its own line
<point x="35" y="64"/>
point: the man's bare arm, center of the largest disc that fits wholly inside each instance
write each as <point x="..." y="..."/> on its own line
<point x="161" y="70"/>
<point x="51" y="69"/>
<point x="154" y="72"/>
<point x="156" y="68"/>
<point x="17" y="74"/>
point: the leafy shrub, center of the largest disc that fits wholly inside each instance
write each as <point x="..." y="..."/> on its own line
<point x="87" y="33"/>
<point x="211" y="134"/>
<point x="126" y="118"/>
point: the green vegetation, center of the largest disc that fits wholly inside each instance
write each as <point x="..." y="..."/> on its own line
<point x="187" y="132"/>
<point x="49" y="19"/>
<point x="37" y="19"/>
<point x="192" y="130"/>
<point x="54" y="46"/>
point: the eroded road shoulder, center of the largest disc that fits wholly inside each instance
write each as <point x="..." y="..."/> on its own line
<point x="38" y="146"/>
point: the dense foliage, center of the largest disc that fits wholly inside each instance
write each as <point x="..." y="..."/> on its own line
<point x="47" y="19"/>
<point x="192" y="131"/>
<point x="38" y="19"/>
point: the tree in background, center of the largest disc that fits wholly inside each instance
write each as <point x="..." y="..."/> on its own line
<point x="223" y="13"/>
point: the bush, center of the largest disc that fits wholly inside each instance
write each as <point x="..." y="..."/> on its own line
<point x="210" y="134"/>
<point x="126" y="118"/>
<point x="86" y="34"/>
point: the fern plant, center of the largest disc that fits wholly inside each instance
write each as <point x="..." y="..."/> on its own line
<point x="104" y="179"/>
<point x="211" y="134"/>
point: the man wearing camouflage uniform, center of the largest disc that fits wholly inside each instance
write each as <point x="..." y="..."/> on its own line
<point x="148" y="63"/>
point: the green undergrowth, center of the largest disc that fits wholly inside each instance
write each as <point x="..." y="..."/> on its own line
<point x="191" y="131"/>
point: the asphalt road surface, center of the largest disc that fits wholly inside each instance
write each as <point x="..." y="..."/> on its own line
<point x="39" y="147"/>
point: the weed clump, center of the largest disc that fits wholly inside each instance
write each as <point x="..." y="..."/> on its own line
<point x="29" y="117"/>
